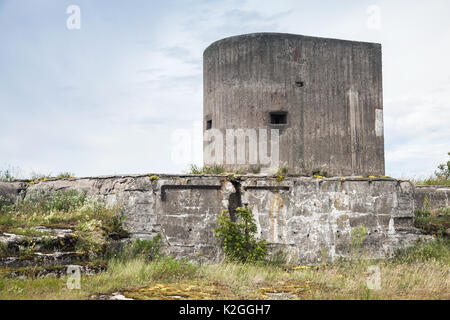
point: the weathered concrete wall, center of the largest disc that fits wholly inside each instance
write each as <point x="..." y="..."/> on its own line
<point x="438" y="197"/>
<point x="9" y="191"/>
<point x="303" y="216"/>
<point x="331" y="90"/>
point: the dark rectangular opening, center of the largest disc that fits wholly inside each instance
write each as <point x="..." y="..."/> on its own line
<point x="278" y="118"/>
<point x="208" y="124"/>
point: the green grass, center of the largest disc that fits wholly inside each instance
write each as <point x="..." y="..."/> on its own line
<point x="420" y="272"/>
<point x="120" y="275"/>
<point x="3" y="249"/>
<point x="433" y="222"/>
<point x="28" y="232"/>
<point x="35" y="176"/>
<point x="142" y="249"/>
<point x="431" y="181"/>
<point x="9" y="174"/>
<point x="213" y="169"/>
<point x="437" y="250"/>
<point x="414" y="279"/>
<point x="92" y="221"/>
<point x="65" y="175"/>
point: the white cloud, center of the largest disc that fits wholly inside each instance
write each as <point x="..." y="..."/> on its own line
<point x="417" y="132"/>
<point x="107" y="99"/>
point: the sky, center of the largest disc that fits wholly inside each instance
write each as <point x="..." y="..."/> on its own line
<point x="112" y="96"/>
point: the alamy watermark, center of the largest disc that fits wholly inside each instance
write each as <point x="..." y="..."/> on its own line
<point x="374" y="17"/>
<point x="229" y="146"/>
<point x="73" y="22"/>
<point x="373" y="280"/>
<point x="74" y="279"/>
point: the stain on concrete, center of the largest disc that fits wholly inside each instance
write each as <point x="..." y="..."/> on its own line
<point x="330" y="89"/>
<point x="301" y="216"/>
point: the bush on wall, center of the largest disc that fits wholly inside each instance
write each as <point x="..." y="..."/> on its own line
<point x="238" y="239"/>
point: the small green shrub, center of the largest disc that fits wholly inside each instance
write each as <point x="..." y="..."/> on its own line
<point x="238" y="238"/>
<point x="114" y="228"/>
<point x="441" y="176"/>
<point x="431" y="181"/>
<point x="39" y="202"/>
<point x="433" y="222"/>
<point x="421" y="218"/>
<point x="443" y="170"/>
<point x="168" y="267"/>
<point x="4" y="204"/>
<point x="3" y="249"/>
<point x="255" y="169"/>
<point x="358" y="235"/>
<point x="67" y="200"/>
<point x="438" y="249"/>
<point x="213" y="169"/>
<point x="426" y="203"/>
<point x="277" y="259"/>
<point x="325" y="256"/>
<point x="65" y="175"/>
<point x="9" y="174"/>
<point x="282" y="171"/>
<point x="148" y="250"/>
<point x="91" y="220"/>
<point x="194" y="169"/>
<point x="36" y="176"/>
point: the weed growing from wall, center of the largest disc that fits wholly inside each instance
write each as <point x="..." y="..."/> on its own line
<point x="358" y="235"/>
<point x="433" y="222"/>
<point x="9" y="174"/>
<point x="443" y="171"/>
<point x="238" y="238"/>
<point x="441" y="176"/>
<point x="65" y="175"/>
<point x="148" y="249"/>
<point x="437" y="250"/>
<point x="114" y="228"/>
<point x="213" y="169"/>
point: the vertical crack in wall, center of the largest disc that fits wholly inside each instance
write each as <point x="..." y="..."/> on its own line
<point x="235" y="199"/>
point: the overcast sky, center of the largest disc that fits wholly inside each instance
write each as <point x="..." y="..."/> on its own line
<point x="108" y="97"/>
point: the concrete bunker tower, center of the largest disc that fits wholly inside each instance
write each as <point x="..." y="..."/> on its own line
<point x="322" y="96"/>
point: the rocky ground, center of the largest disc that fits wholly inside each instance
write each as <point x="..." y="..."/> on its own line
<point x="45" y="254"/>
<point x="42" y="238"/>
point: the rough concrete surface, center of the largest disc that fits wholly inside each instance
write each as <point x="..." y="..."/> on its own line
<point x="305" y="217"/>
<point x="329" y="89"/>
<point x="438" y="197"/>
